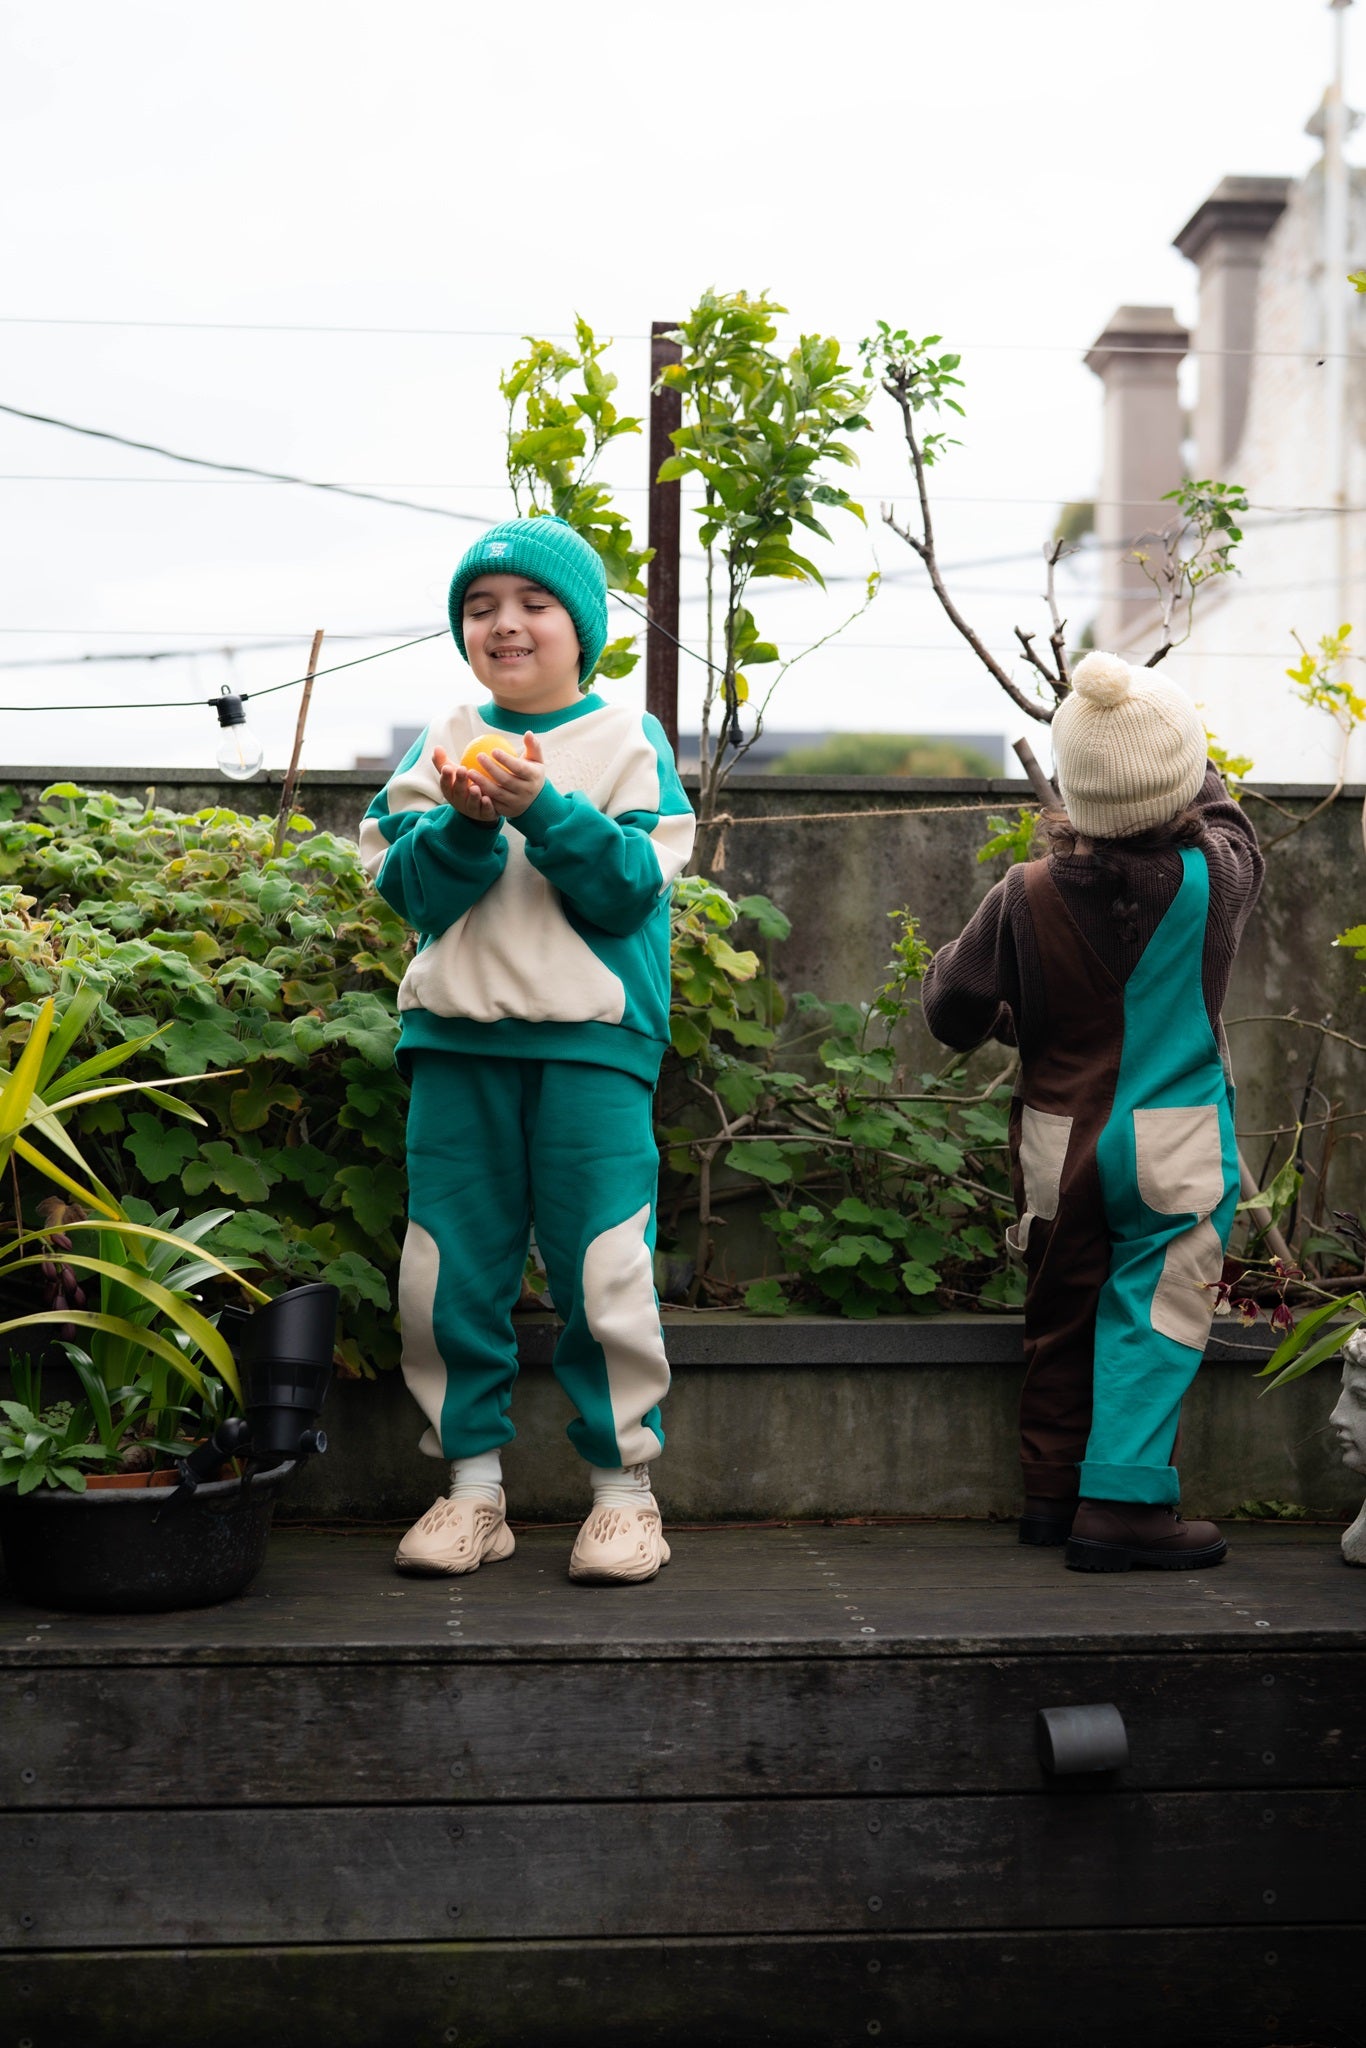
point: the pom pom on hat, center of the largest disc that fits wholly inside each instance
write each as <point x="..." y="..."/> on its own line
<point x="1129" y="749"/>
<point x="1103" y="679"/>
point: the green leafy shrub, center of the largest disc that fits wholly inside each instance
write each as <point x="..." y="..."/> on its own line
<point x="892" y="1195"/>
<point x="190" y="933"/>
<point x="283" y="968"/>
<point x="885" y="753"/>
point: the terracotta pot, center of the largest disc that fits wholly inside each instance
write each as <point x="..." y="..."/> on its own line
<point x="102" y="1480"/>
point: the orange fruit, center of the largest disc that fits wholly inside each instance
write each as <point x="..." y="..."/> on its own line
<point x="485" y="744"/>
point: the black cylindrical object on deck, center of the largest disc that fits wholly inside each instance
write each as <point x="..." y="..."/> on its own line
<point x="1072" y="1741"/>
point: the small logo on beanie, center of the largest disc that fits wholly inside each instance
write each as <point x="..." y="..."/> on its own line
<point x="498" y="547"/>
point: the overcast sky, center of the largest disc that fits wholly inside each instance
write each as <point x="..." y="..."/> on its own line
<point x="1005" y="174"/>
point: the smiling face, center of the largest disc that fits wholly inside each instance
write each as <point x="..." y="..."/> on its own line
<point x="1349" y="1417"/>
<point x="521" y="644"/>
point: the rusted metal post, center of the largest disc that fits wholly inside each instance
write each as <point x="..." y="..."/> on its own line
<point x="1043" y="789"/>
<point x="661" y="648"/>
<point x="292" y="778"/>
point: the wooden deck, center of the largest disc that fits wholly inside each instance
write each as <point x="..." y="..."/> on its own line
<point x="788" y="1793"/>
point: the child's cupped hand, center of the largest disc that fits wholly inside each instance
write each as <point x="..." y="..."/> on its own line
<point x="502" y="787"/>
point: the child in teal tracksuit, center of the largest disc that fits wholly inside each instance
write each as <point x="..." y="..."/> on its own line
<point x="531" y="842"/>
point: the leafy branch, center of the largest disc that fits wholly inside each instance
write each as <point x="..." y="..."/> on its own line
<point x="555" y="437"/>
<point x="1192" y="550"/>
<point x="759" y="432"/>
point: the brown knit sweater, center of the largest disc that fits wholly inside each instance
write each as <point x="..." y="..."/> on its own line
<point x="988" y="982"/>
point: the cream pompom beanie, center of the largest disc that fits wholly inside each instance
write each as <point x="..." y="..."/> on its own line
<point x="1129" y="749"/>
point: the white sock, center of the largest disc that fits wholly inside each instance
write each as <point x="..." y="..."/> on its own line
<point x="621" y="1486"/>
<point x="478" y="1478"/>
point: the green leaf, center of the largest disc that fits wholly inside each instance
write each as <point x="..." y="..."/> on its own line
<point x="1280" y="1192"/>
<point x="219" y="1165"/>
<point x="160" y="1154"/>
<point x="252" y="1105"/>
<point x="852" y="1250"/>
<point x="744" y="1030"/>
<point x="1327" y="1347"/>
<point x="917" y="1278"/>
<point x="766" y="1298"/>
<point x="739" y="966"/>
<point x="358" y="1280"/>
<point x="765" y="1160"/>
<point x="938" y="1152"/>
<point x="375" y="1195"/>
<point x="687" y="1039"/>
<point x="770" y="920"/>
<point x="190" y="1048"/>
<point x="134" y="1336"/>
<point x="873" y="1128"/>
<point x="989" y="1127"/>
<point x="313" y="1169"/>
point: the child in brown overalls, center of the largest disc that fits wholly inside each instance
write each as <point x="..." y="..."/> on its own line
<point x="1107" y="965"/>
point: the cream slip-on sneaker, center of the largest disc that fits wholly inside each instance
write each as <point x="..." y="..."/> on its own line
<point x="456" y="1536"/>
<point x="619" y="1546"/>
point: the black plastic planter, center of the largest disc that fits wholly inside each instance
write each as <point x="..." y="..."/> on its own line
<point x="143" y="1556"/>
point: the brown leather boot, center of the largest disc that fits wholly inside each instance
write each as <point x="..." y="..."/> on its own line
<point x="1114" y="1535"/>
<point x="1046" y="1521"/>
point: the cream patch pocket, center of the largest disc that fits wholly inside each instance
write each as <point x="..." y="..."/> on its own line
<point x="1183" y="1301"/>
<point x="1044" y="1139"/>
<point x="1180" y="1160"/>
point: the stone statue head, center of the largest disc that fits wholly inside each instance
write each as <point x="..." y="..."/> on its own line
<point x="1348" y="1418"/>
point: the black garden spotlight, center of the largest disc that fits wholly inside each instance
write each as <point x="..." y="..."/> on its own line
<point x="284" y="1357"/>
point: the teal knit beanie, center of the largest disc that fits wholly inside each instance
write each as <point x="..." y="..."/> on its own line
<point x="549" y="552"/>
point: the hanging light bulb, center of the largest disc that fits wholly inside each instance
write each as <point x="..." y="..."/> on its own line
<point x="239" y="752"/>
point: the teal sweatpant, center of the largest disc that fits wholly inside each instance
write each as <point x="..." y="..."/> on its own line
<point x="493" y="1145"/>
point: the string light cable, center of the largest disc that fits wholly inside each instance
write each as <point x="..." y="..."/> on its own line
<point x="240" y="696"/>
<point x="297" y="682"/>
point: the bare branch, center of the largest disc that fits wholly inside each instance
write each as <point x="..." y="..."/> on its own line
<point x="1057" y="639"/>
<point x="1026" y="641"/>
<point x="924" y="547"/>
<point x="1057" y="677"/>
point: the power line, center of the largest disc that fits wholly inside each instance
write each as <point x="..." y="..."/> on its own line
<point x="1316" y="356"/>
<point x="295" y="682"/>
<point x="845" y="647"/>
<point x="238" y="468"/>
<point x="228" y="649"/>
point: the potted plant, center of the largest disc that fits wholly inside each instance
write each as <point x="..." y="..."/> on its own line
<point x="154" y="1374"/>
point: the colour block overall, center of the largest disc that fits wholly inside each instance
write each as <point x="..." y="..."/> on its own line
<point x="1126" y="1182"/>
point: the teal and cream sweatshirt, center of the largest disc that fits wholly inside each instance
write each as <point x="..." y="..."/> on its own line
<point x="545" y="936"/>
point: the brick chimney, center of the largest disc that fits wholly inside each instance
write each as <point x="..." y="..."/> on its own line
<point x="1225" y="239"/>
<point x="1137" y="359"/>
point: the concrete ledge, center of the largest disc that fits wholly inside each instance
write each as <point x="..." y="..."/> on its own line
<point x="736" y="1338"/>
<point x="799" y="1417"/>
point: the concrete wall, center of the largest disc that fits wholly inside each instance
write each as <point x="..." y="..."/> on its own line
<point x="815" y="1417"/>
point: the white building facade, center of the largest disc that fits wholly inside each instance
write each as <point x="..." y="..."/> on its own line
<point x="1264" y="418"/>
